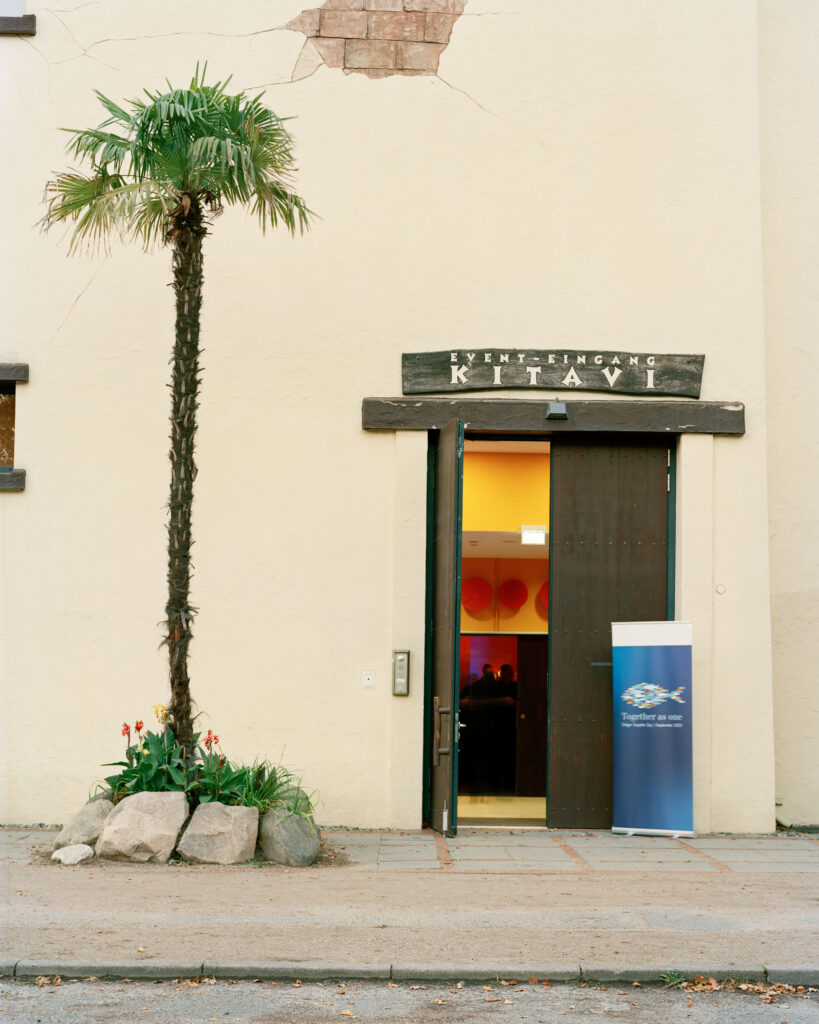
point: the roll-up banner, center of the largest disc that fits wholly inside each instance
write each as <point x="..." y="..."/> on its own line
<point x="653" y="785"/>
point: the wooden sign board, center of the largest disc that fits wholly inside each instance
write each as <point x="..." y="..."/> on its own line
<point x="486" y="369"/>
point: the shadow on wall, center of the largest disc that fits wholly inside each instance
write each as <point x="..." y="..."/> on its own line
<point x="376" y="37"/>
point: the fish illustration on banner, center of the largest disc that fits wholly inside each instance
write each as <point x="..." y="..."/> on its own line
<point x="649" y="695"/>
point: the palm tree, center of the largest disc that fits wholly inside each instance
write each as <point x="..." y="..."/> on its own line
<point x="160" y="172"/>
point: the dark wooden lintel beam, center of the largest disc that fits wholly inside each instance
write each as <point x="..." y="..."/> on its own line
<point x="25" y="25"/>
<point x="527" y="416"/>
<point x="15" y="480"/>
<point x="14" y="371"/>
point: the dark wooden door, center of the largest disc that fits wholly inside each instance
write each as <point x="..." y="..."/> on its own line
<point x="608" y="564"/>
<point x="447" y="483"/>
<point x="532" y="715"/>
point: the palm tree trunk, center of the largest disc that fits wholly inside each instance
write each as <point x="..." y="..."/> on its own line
<point x="187" y="283"/>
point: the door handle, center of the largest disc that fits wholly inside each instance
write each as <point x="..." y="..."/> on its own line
<point x="437" y="711"/>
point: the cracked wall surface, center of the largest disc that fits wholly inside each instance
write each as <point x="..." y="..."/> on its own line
<point x="378" y="38"/>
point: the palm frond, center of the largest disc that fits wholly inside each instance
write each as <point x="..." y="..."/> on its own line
<point x="102" y="205"/>
<point x="201" y="143"/>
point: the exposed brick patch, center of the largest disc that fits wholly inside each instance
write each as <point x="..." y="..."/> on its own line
<point x="343" y="25"/>
<point x="419" y="56"/>
<point x="370" y="53"/>
<point x="438" y="27"/>
<point x="392" y="25"/>
<point x="380" y="37"/>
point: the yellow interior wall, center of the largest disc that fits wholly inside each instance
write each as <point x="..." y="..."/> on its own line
<point x="530" y="618"/>
<point x="505" y="491"/>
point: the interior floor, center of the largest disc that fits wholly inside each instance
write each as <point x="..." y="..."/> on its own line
<point x="506" y="810"/>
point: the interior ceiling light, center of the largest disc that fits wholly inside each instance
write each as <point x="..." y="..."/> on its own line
<point x="533" y="534"/>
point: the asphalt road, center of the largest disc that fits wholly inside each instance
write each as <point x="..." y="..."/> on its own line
<point x="385" y="1003"/>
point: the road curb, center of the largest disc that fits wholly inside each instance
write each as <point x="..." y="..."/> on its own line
<point x="482" y="972"/>
<point x="288" y="970"/>
<point x="145" y="970"/>
<point x="808" y="976"/>
<point x="659" y="975"/>
<point x="142" y="970"/>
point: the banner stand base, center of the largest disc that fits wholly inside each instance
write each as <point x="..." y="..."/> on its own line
<point x="673" y="833"/>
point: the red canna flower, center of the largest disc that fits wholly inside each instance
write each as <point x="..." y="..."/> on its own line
<point x="215" y="739"/>
<point x="208" y="739"/>
<point x="139" y="725"/>
<point x="126" y="729"/>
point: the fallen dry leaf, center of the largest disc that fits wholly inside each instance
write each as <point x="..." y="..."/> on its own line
<point x="348" y="1013"/>
<point x="532" y="980"/>
<point x="417" y="986"/>
<point x="491" y="999"/>
<point x="509" y="1002"/>
<point x="297" y="983"/>
<point x="140" y="949"/>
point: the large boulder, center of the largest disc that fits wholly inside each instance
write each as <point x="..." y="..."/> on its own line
<point x="78" y="853"/>
<point x="144" y="827"/>
<point x="288" y="838"/>
<point x="85" y="827"/>
<point x="218" y="834"/>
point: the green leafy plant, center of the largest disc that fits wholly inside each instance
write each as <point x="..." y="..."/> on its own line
<point x="216" y="777"/>
<point x="154" y="763"/>
<point x="673" y="979"/>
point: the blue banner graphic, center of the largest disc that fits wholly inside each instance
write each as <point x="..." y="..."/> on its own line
<point x="653" y="785"/>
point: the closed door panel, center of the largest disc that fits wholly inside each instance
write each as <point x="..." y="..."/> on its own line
<point x="608" y="564"/>
<point x="445" y="626"/>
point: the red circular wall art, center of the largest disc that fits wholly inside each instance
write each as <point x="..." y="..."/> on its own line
<point x="513" y="594"/>
<point x="543" y="595"/>
<point x="475" y="594"/>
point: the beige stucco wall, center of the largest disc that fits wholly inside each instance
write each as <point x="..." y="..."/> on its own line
<point x="789" y="114"/>
<point x="583" y="175"/>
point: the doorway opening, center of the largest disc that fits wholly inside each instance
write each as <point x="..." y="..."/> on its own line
<point x="504" y="634"/>
<point x="534" y="548"/>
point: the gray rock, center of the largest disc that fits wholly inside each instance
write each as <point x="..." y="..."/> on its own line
<point x="288" y="838"/>
<point x="217" y="834"/>
<point x="75" y="854"/>
<point x="144" y="827"/>
<point x="86" y="826"/>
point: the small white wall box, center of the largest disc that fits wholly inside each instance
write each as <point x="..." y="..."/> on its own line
<point x="400" y="673"/>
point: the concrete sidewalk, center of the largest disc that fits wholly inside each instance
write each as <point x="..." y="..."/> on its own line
<point x="502" y="903"/>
